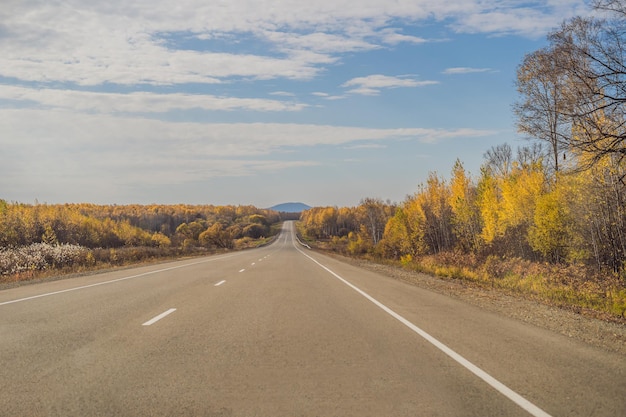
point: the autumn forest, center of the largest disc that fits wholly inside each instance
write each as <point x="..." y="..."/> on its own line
<point x="40" y="237"/>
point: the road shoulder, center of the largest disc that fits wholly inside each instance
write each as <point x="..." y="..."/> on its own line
<point x="607" y="335"/>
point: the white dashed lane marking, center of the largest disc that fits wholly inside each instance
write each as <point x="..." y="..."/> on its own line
<point x="159" y="317"/>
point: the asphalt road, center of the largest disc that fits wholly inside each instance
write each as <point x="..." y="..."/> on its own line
<point x="283" y="331"/>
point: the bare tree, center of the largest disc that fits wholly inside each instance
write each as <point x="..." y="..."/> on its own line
<point x="592" y="56"/>
<point x="543" y="111"/>
<point x="528" y="156"/>
<point x="615" y="6"/>
<point x="499" y="159"/>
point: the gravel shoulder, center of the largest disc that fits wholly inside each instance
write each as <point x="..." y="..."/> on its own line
<point x="608" y="333"/>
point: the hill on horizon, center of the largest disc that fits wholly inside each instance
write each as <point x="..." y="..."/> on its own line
<point x="290" y="207"/>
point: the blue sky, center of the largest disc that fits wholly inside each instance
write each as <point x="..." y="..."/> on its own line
<point x="255" y="102"/>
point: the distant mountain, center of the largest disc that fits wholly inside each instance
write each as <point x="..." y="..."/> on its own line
<point x="290" y="207"/>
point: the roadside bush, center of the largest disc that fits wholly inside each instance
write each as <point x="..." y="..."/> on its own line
<point x="255" y="231"/>
<point x="40" y="256"/>
<point x="123" y="256"/>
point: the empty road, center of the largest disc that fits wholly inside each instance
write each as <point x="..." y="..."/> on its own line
<point x="283" y="331"/>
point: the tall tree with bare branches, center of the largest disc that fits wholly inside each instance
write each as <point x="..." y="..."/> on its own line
<point x="592" y="53"/>
<point x="543" y="109"/>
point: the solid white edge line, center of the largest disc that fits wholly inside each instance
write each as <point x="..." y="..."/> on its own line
<point x="220" y="283"/>
<point x="114" y="280"/>
<point x="159" y="317"/>
<point x="494" y="383"/>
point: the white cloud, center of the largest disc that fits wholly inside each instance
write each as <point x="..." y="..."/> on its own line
<point x="333" y="98"/>
<point x="64" y="155"/>
<point x="327" y="96"/>
<point x="60" y="130"/>
<point x="366" y="146"/>
<point x="465" y="70"/>
<point x="372" y="84"/>
<point x="531" y="19"/>
<point x="392" y="37"/>
<point x="122" y="42"/>
<point x="138" y="102"/>
<point x="528" y="22"/>
<point x="282" y="93"/>
<point x="318" y="42"/>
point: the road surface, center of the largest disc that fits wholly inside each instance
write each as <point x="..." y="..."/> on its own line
<point x="283" y="331"/>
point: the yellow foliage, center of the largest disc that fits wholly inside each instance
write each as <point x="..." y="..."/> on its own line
<point x="160" y="240"/>
<point x="406" y="259"/>
<point x="465" y="213"/>
<point x="520" y="192"/>
<point x="489" y="202"/>
<point x="551" y="232"/>
<point x="395" y="242"/>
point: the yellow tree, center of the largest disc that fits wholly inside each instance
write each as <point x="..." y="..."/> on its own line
<point x="373" y="213"/>
<point x="434" y="201"/>
<point x="551" y="232"/>
<point x="520" y="192"/>
<point x="516" y="196"/>
<point x="326" y="221"/>
<point x="160" y="240"/>
<point x="396" y="241"/>
<point x="489" y="201"/>
<point x="465" y="215"/>
<point x="415" y="223"/>
<point x="423" y="223"/>
<point x="346" y="221"/>
<point x="217" y="236"/>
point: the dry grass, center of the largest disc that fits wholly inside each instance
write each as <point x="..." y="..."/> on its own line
<point x="572" y="286"/>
